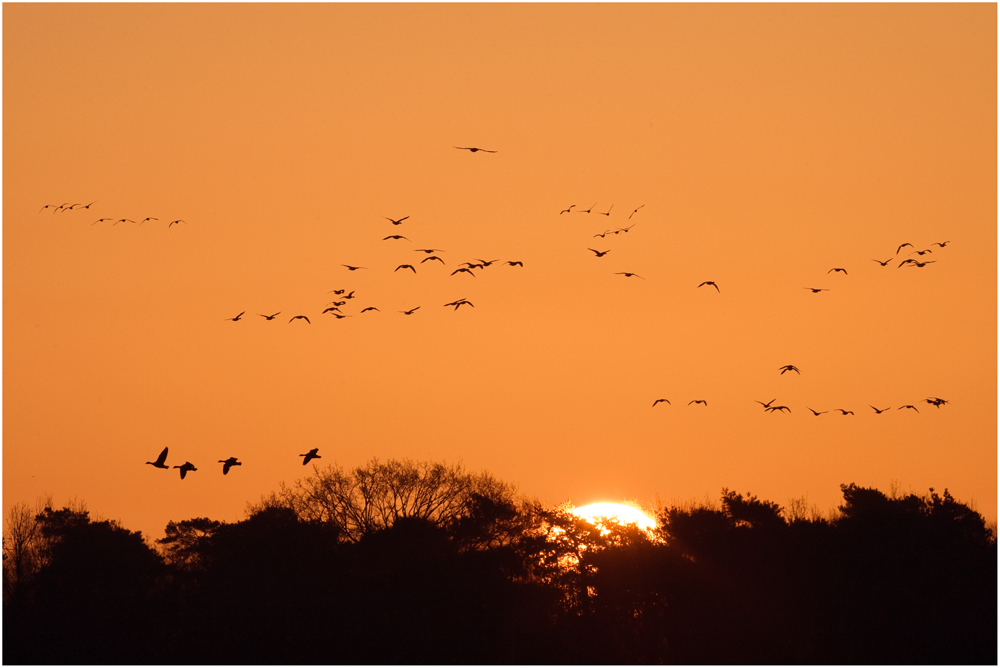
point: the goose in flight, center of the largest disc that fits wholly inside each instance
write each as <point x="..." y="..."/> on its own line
<point x="789" y="367"/>
<point x="902" y="246"/>
<point x="350" y="268"/>
<point x="100" y="220"/>
<point x="712" y="283"/>
<point x="771" y="409"/>
<point x="185" y="467"/>
<point x="838" y="269"/>
<point x="428" y="250"/>
<point x="817" y="412"/>
<point x="301" y="317"/>
<point x="609" y="211"/>
<point x="394" y="236"/>
<point x="515" y="263"/>
<point x="907" y="261"/>
<point x="942" y="244"/>
<point x="625" y="229"/>
<point x="269" y="317"/>
<point x="815" y="290"/>
<point x="459" y="302"/>
<point x="907" y="406"/>
<point x="228" y="464"/>
<point x="369" y="308"/>
<point x="923" y="252"/>
<point x="312" y="454"/>
<point x="397" y="221"/>
<point x="843" y="412"/>
<point x="923" y="264"/>
<point x="175" y="222"/>
<point x="877" y="411"/>
<point x="485" y="263"/>
<point x="349" y="295"/>
<point x="768" y="404"/>
<point x="884" y="263"/>
<point x="410" y="312"/>
<point x="160" y="461"/>
<point x="659" y="400"/>
<point x="560" y="213"/>
<point x="588" y="210"/>
<point x="602" y="234"/>
<point x="629" y="274"/>
<point x="599" y="253"/>
<point x="474" y="149"/>
<point x="405" y="266"/>
<point x="936" y="402"/>
<point x="432" y="257"/>
<point x="147" y="218"/>
<point x="331" y="309"/>
<point x="237" y="317"/>
<point x="128" y="220"/>
<point x="95" y="201"/>
<point x="48" y="206"/>
<point x="635" y="211"/>
<point x="698" y="401"/>
<point x="465" y="269"/>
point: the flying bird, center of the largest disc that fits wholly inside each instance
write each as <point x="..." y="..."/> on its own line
<point x="100" y="220"/>
<point x="312" y="454"/>
<point x="817" y="412"/>
<point x="768" y="404"/>
<point x="907" y="406"/>
<point x="331" y="310"/>
<point x="432" y="257"/>
<point x="465" y="269"/>
<point x="349" y="295"/>
<point x="698" y="401"/>
<point x="924" y="264"/>
<point x="187" y="466"/>
<point x="369" y="308"/>
<point x="485" y="263"/>
<point x="474" y="149"/>
<point x="902" y="246"/>
<point x="301" y="317"/>
<point x="269" y="317"/>
<point x="515" y="263"/>
<point x="396" y="222"/>
<point x="95" y="201"/>
<point x="410" y="312"/>
<point x="942" y="244"/>
<point x="625" y="229"/>
<point x="147" y="218"/>
<point x="175" y="222"/>
<point x="937" y="403"/>
<point x="129" y="220"/>
<point x="843" y="412"/>
<point x="48" y="206"/>
<point x="877" y="411"/>
<point x="428" y="250"/>
<point x="560" y="213"/>
<point x="712" y="283"/>
<point x="815" y="290"/>
<point x="659" y="400"/>
<point x="602" y="234"/>
<point x="609" y="211"/>
<point x="923" y="252"/>
<point x="838" y="269"/>
<point x="159" y="463"/>
<point x="350" y="268"/>
<point x="599" y="253"/>
<point x="228" y="464"/>
<point x="405" y="266"/>
<point x="587" y="210"/>
<point x="907" y="261"/>
<point x="459" y="302"/>
<point x="881" y="262"/>
<point x="629" y="274"/>
<point x="636" y="210"/>
<point x="771" y="409"/>
<point x="789" y="367"/>
<point x="237" y="317"/>
<point x="394" y="236"/>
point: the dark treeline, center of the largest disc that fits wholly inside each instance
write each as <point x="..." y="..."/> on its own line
<point x="403" y="562"/>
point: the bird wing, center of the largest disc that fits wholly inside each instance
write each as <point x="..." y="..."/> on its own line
<point x="163" y="456"/>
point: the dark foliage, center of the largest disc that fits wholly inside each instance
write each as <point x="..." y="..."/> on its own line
<point x="908" y="579"/>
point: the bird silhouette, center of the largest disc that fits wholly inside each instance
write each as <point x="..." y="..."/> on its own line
<point x="712" y="283"/>
<point x="635" y="211"/>
<point x="394" y="236"/>
<point x="599" y="253"/>
<point x="902" y="246"/>
<point x="587" y="210"/>
<point x="602" y="234"/>
<point x="369" y="308"/>
<point x="128" y="220"/>
<point x="771" y="409"/>
<point x="312" y="454"/>
<point x="629" y="274"/>
<point x="100" y="220"/>
<point x="942" y="244"/>
<point x="410" y="312"/>
<point x="625" y="229"/>
<point x="843" y="412"/>
<point x="465" y="269"/>
<point x="350" y="268"/>
<point x="485" y="263"/>
<point x="768" y="404"/>
<point x="269" y="317"/>
<point x="815" y="290"/>
<point x="514" y="263"/>
<point x="879" y="411"/>
<point x="301" y="317"/>
<point x="405" y="266"/>
<point x="341" y="316"/>
<point x="907" y="406"/>
<point x="459" y="302"/>
<point x="698" y="401"/>
<point x="349" y="295"/>
<point x="330" y="310"/>
<point x="95" y="201"/>
<point x="432" y="257"/>
<point x="659" y="400"/>
<point x="881" y="262"/>
<point x="237" y="317"/>
<point x="159" y="463"/>
<point x="923" y="264"/>
<point x="789" y="367"/>
<point x="841" y="269"/>
<point x="560" y="213"/>
<point x="907" y="261"/>
<point x="397" y="221"/>
<point x="817" y="412"/>
<point x="922" y="252"/>
<point x="48" y="206"/>
<point x="428" y="250"/>
<point x="337" y="292"/>
<point x="185" y="467"/>
<point x="228" y="464"/>
<point x="474" y="149"/>
<point x="609" y="211"/>
<point x="936" y="402"/>
<point x="147" y="218"/>
<point x="176" y="222"/>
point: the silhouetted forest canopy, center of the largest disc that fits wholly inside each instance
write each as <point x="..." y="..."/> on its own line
<point x="404" y="562"/>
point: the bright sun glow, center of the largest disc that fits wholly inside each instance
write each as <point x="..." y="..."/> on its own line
<point x="623" y="514"/>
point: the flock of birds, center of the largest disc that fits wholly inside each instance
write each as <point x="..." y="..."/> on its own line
<point x="186" y="467"/>
<point x="343" y="297"/>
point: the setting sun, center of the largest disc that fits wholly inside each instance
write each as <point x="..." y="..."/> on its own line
<point x="619" y="512"/>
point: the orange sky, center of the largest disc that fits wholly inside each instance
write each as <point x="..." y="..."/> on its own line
<point x="766" y="145"/>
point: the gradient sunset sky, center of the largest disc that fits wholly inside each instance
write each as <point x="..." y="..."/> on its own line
<point x="763" y="145"/>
